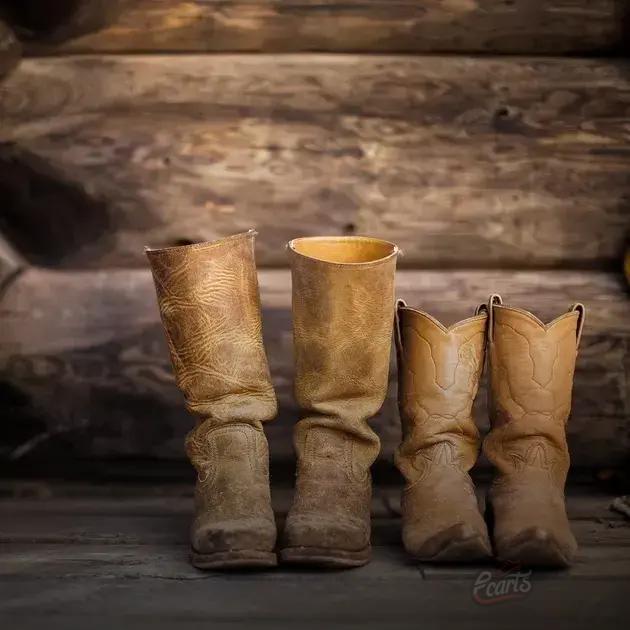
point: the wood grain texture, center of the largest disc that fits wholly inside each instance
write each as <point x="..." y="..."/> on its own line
<point x="84" y="367"/>
<point x="462" y="161"/>
<point x="22" y="499"/>
<point x="55" y="526"/>
<point x="498" y="26"/>
<point x="153" y="586"/>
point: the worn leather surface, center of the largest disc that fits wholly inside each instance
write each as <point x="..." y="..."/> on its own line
<point x="438" y="378"/>
<point x="209" y="303"/>
<point x="531" y="377"/>
<point x="343" y="308"/>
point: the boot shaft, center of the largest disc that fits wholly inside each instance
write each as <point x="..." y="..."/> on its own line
<point x="438" y="378"/>
<point x="343" y="309"/>
<point x="210" y="307"/>
<point x="531" y="367"/>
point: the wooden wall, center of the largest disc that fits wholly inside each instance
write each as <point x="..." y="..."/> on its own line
<point x="506" y="172"/>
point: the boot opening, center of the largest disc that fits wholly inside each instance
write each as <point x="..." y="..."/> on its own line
<point x="344" y="250"/>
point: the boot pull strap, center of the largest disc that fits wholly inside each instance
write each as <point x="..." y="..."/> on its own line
<point x="581" y="310"/>
<point x="495" y="298"/>
<point x="397" y="332"/>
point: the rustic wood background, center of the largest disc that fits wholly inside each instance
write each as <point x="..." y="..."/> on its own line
<point x="134" y="122"/>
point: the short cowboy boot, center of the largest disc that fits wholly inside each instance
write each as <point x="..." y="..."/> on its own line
<point x="343" y="310"/>
<point x="438" y="377"/>
<point x="208" y="299"/>
<point x="531" y="369"/>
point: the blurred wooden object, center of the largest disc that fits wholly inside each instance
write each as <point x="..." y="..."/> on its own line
<point x="502" y="162"/>
<point x="82" y="356"/>
<point x="54" y="21"/>
<point x="10" y="49"/>
<point x="10" y="262"/>
<point x="469" y="26"/>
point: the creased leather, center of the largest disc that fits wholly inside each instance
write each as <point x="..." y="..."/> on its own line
<point x="209" y="303"/>
<point x="343" y="307"/>
<point x="531" y="377"/>
<point x="438" y="378"/>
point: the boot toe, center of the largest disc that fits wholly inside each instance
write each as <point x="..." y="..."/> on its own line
<point x="460" y="542"/>
<point x="231" y="535"/>
<point x="537" y="546"/>
<point x="322" y="531"/>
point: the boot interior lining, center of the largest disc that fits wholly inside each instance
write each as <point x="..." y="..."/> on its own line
<point x="348" y="250"/>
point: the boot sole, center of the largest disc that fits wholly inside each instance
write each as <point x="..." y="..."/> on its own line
<point x="465" y="550"/>
<point x="532" y="548"/>
<point x="241" y="559"/>
<point x="326" y="558"/>
<point x="536" y="552"/>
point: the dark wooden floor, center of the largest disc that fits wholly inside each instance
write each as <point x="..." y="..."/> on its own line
<point x="117" y="556"/>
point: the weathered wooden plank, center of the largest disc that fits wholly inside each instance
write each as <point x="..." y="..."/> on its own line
<point x="379" y="595"/>
<point x="584" y="503"/>
<point x="519" y="26"/>
<point x="509" y="162"/>
<point x="361" y="598"/>
<point x="165" y="500"/>
<point x="592" y="562"/>
<point x="92" y="560"/>
<point x="83" y="363"/>
<point x="173" y="529"/>
<point x="156" y="561"/>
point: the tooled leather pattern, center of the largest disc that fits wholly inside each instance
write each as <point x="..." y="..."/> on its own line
<point x="324" y="449"/>
<point x="439" y="379"/>
<point x="208" y="299"/>
<point x="232" y="474"/>
<point x="210" y="448"/>
<point x="342" y="335"/>
<point x="531" y="369"/>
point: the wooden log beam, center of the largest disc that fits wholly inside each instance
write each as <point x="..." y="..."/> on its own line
<point x="479" y="26"/>
<point x="464" y="162"/>
<point x="84" y="368"/>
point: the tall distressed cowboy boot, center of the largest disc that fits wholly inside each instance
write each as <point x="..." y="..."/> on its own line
<point x="343" y="310"/>
<point x="531" y="376"/>
<point x="438" y="378"/>
<point x="210" y="308"/>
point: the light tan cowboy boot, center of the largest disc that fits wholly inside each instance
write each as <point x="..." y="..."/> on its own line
<point x="343" y="310"/>
<point x="208" y="299"/>
<point x="438" y="378"/>
<point x="531" y="376"/>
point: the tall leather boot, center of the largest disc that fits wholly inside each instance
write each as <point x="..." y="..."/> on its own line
<point x="438" y="378"/>
<point x="531" y="376"/>
<point x="343" y="310"/>
<point x="208" y="299"/>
